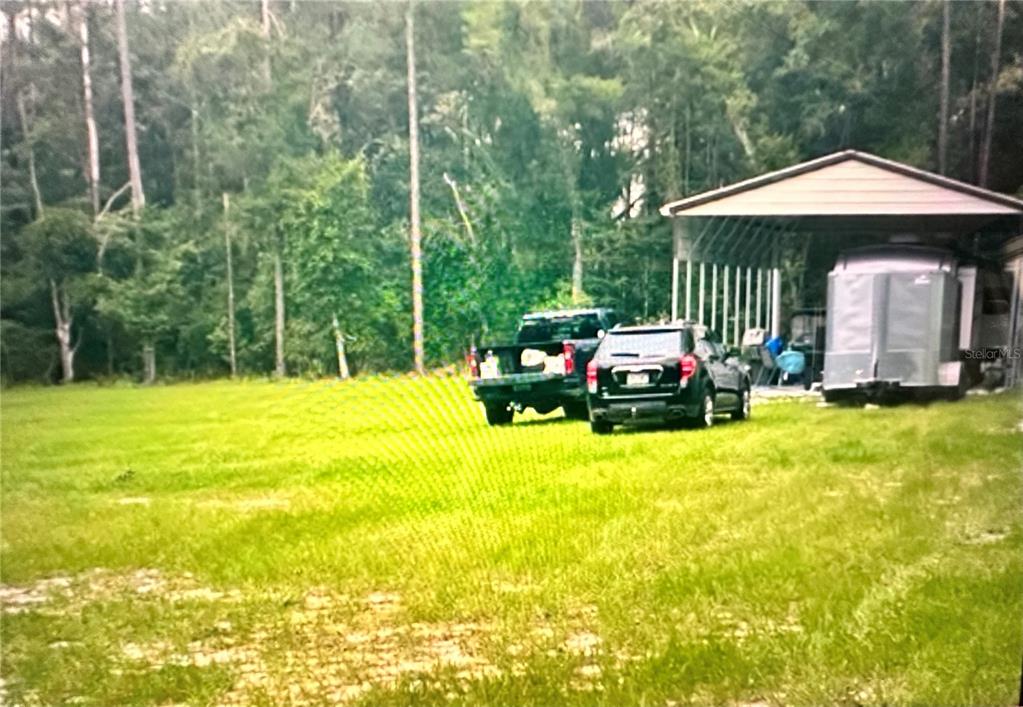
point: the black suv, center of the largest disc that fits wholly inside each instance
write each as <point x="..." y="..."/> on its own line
<point x="677" y="372"/>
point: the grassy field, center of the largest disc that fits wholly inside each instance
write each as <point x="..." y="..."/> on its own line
<point x="375" y="543"/>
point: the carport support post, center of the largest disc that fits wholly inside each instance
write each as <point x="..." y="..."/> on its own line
<point x="724" y="307"/>
<point x="749" y="279"/>
<point x="676" y="247"/>
<point x="703" y="282"/>
<point x="775" y="283"/>
<point x="674" y="288"/>
<point x="735" y="324"/>
<point x="760" y="291"/>
<point x="776" y="302"/>
<point x="684" y="249"/>
<point x="713" y="295"/>
<point x="689" y="292"/>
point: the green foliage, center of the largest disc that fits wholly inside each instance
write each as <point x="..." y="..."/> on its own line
<point x="60" y="244"/>
<point x="150" y="302"/>
<point x="543" y="114"/>
<point x="341" y="262"/>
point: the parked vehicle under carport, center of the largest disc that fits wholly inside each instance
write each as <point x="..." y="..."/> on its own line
<point x="901" y="321"/>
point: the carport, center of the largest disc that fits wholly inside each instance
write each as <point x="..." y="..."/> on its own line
<point x="738" y="247"/>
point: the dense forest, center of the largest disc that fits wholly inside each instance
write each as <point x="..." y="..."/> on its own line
<point x="204" y="189"/>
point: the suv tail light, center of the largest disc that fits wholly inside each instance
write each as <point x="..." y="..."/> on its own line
<point x="568" y="351"/>
<point x="686" y="366"/>
<point x="591" y="376"/>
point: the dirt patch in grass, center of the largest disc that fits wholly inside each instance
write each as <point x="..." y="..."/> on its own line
<point x="65" y="595"/>
<point x="325" y="646"/>
<point x="337" y="649"/>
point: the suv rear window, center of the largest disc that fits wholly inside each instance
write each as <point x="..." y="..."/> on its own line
<point x="535" y="331"/>
<point x="641" y="344"/>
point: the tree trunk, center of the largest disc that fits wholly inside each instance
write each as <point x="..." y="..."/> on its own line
<point x="232" y="358"/>
<point x="996" y="61"/>
<point x="110" y="352"/>
<point x="196" y="160"/>
<point x="25" y="116"/>
<point x="415" y="237"/>
<point x="689" y="144"/>
<point x="577" y="261"/>
<point x="92" y="136"/>
<point x="474" y="258"/>
<point x="62" y="320"/>
<point x="37" y="195"/>
<point x="973" y="93"/>
<point x="279" y="369"/>
<point x="946" y="58"/>
<point x="570" y="175"/>
<point x="342" y="357"/>
<point x="264" y="22"/>
<point x="148" y="363"/>
<point x="138" y="197"/>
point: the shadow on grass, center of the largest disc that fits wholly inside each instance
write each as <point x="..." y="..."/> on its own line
<point x="548" y="421"/>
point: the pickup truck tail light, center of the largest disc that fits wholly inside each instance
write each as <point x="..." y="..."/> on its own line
<point x="686" y="366"/>
<point x="474" y="364"/>
<point x="591" y="377"/>
<point x="568" y="351"/>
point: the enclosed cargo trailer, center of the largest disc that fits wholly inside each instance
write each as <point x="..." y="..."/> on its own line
<point x="893" y="324"/>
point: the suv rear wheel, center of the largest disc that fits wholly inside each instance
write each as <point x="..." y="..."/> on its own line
<point x="499" y="415"/>
<point x="705" y="418"/>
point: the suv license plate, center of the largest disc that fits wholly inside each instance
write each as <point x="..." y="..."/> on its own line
<point x="637" y="379"/>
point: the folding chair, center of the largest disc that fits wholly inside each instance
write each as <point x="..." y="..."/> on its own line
<point x="768" y="369"/>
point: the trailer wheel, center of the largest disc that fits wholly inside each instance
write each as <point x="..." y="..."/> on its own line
<point x="499" y="415"/>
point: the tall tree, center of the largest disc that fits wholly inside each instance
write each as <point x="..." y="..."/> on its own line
<point x="946" y="61"/>
<point x="229" y="262"/>
<point x="415" y="234"/>
<point x="81" y="25"/>
<point x="138" y="197"/>
<point x="280" y="368"/>
<point x="25" y="97"/>
<point x="989" y="128"/>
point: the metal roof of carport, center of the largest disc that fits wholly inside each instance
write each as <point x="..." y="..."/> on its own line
<point x="744" y="224"/>
<point x="848" y="184"/>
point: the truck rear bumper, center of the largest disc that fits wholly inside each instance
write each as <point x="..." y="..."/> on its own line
<point x="528" y="391"/>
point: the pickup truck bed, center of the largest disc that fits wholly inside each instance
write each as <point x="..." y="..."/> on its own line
<point x="543" y="375"/>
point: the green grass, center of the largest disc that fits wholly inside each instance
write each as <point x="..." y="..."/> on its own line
<point x="375" y="542"/>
